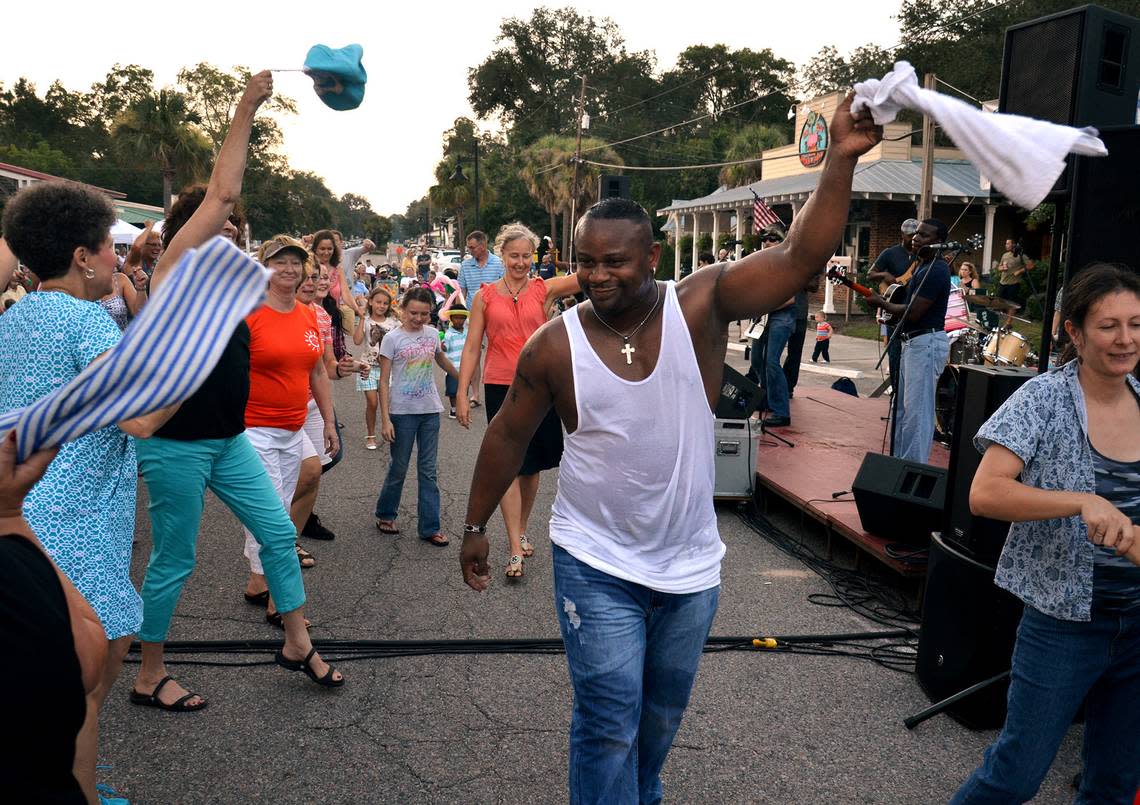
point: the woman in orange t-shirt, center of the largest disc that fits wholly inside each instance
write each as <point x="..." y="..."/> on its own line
<point x="508" y="312"/>
<point x="285" y="352"/>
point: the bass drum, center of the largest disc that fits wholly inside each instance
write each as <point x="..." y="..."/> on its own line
<point x="945" y="404"/>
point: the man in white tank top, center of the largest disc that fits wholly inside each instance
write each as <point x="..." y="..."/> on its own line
<point x="634" y="374"/>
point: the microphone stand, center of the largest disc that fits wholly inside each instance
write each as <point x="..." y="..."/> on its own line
<point x="894" y="335"/>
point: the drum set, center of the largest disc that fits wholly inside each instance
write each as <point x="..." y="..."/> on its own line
<point x="991" y="341"/>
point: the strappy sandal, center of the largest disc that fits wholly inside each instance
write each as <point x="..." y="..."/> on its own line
<point x="306" y="559"/>
<point x="474" y="403"/>
<point x="152" y="700"/>
<point x="527" y="548"/>
<point x="515" y="567"/>
<point x="304" y="665"/>
<point x="370" y="443"/>
<point x="259" y="600"/>
<point x="275" y="619"/>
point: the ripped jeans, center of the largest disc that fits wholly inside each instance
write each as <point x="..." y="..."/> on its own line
<point x="632" y="654"/>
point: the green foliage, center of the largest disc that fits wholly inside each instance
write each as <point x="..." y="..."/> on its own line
<point x="686" y="243"/>
<point x="124" y="135"/>
<point x="1040" y="216"/>
<point x="704" y="242"/>
<point x="665" y="264"/>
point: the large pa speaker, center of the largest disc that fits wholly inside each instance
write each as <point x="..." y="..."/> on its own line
<point x="968" y="631"/>
<point x="1078" y="67"/>
<point x="899" y="500"/>
<point x="613" y="186"/>
<point x="1104" y="217"/>
<point x="739" y="396"/>
<point x="981" y="391"/>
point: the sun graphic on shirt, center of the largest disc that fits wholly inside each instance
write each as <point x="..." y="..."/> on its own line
<point x="313" y="341"/>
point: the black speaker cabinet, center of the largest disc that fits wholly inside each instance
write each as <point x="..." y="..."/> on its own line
<point x="1104" y="217"/>
<point x="1078" y="67"/>
<point x="981" y="391"/>
<point x="899" y="500"/>
<point x="739" y="396"/>
<point x="610" y="186"/>
<point x="968" y="630"/>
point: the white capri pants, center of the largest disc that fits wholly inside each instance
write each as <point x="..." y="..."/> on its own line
<point x="280" y="452"/>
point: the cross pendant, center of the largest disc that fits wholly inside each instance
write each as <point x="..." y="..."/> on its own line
<point x="628" y="351"/>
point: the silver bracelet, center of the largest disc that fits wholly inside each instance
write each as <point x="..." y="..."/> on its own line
<point x="474" y="529"/>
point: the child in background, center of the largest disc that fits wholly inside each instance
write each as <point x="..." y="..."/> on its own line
<point x="822" y="338"/>
<point x="370" y="330"/>
<point x="409" y="411"/>
<point x="453" y="341"/>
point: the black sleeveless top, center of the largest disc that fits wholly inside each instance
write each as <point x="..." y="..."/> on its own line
<point x="217" y="409"/>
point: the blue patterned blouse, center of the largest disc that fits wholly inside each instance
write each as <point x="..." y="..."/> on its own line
<point x="1048" y="564"/>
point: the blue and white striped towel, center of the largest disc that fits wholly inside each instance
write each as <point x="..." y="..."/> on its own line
<point x="163" y="357"/>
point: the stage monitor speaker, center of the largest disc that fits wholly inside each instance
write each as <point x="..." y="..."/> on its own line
<point x="734" y="442"/>
<point x="1077" y="67"/>
<point x="899" y="500"/>
<point x="968" y="630"/>
<point x="739" y="396"/>
<point x="610" y="186"/>
<point x="1105" y="218"/>
<point x="981" y="391"/>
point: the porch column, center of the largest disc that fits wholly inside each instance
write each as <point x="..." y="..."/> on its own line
<point x="739" y="231"/>
<point x="696" y="237"/>
<point x="676" y="246"/>
<point x="988" y="248"/>
<point x="716" y="233"/>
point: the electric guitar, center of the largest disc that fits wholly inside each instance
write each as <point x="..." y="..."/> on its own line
<point x="837" y="276"/>
<point x="895" y="292"/>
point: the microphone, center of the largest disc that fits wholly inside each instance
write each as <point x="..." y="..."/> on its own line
<point x="950" y="246"/>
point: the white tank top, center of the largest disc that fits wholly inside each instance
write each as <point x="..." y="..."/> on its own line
<point x="635" y="487"/>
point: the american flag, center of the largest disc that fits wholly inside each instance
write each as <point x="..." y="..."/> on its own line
<point x="762" y="215"/>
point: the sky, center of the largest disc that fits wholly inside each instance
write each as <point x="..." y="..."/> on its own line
<point x="417" y="56"/>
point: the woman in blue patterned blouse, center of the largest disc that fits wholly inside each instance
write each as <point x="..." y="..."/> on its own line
<point x="1073" y="552"/>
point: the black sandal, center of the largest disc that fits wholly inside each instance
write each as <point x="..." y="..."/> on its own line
<point x="259" y="600"/>
<point x="304" y="556"/>
<point x="275" y="619"/>
<point x="179" y="706"/>
<point x="303" y="665"/>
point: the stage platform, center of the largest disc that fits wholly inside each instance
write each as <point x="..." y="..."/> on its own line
<point x="831" y="431"/>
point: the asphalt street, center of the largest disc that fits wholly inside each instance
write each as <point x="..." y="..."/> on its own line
<point x="493" y="728"/>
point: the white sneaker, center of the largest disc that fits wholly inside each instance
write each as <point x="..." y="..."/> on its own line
<point x="451" y="415"/>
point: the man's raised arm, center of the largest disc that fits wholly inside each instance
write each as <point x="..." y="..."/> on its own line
<point x="224" y="189"/>
<point x="764" y="279"/>
<point x="502" y="452"/>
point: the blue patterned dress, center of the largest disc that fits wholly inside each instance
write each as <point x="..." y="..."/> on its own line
<point x="83" y="510"/>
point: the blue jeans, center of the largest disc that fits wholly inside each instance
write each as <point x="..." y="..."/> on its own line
<point x="923" y="359"/>
<point x="177" y="475"/>
<point x="1055" y="664"/>
<point x="633" y="655"/>
<point x="781" y="325"/>
<point x="421" y="430"/>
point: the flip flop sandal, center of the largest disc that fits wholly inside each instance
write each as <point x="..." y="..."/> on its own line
<point x="474" y="403"/>
<point x="304" y="556"/>
<point x="275" y="619"/>
<point x="387" y="527"/>
<point x="259" y="600"/>
<point x="152" y="700"/>
<point x="304" y="665"/>
<point x="515" y="567"/>
<point x="370" y="443"/>
<point x="527" y="548"/>
<point x="437" y="539"/>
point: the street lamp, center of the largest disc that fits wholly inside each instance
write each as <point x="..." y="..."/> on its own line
<point x="459" y="177"/>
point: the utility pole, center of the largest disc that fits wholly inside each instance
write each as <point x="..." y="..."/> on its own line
<point x="577" y="167"/>
<point x="926" y="200"/>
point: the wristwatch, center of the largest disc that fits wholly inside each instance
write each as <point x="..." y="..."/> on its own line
<point x="474" y="529"/>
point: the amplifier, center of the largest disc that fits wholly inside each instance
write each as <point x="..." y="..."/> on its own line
<point x="734" y="444"/>
<point x="899" y="500"/>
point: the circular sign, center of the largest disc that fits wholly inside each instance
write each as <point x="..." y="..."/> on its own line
<point x="813" y="140"/>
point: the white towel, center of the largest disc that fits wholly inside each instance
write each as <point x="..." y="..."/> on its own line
<point x="1022" y="156"/>
<point x="163" y="357"/>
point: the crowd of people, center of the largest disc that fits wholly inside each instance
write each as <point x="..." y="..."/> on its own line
<point x="635" y="543"/>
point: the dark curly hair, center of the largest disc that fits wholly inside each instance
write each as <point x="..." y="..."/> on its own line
<point x="418" y="293"/>
<point x="187" y="203"/>
<point x="44" y="224"/>
<point x="326" y="234"/>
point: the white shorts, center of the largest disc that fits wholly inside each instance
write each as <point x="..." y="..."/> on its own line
<point x="314" y="435"/>
<point x="280" y="453"/>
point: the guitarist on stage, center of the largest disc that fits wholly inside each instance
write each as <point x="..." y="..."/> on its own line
<point x="894" y="262"/>
<point x="925" y="346"/>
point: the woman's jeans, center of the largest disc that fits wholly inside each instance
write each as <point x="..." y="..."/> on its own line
<point x="411" y="430"/>
<point x="632" y="654"/>
<point x="177" y="474"/>
<point x="1056" y="663"/>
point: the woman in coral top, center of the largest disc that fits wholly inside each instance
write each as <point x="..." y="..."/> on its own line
<point x="508" y="312"/>
<point x="285" y="353"/>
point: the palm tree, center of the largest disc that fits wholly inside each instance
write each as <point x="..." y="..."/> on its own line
<point x="547" y="169"/>
<point x="161" y="128"/>
<point x="748" y="143"/>
<point x="456" y="194"/>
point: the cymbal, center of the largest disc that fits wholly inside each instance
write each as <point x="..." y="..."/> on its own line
<point x="993" y="303"/>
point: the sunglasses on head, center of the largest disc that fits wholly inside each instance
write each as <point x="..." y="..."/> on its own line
<point x="772" y="239"/>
